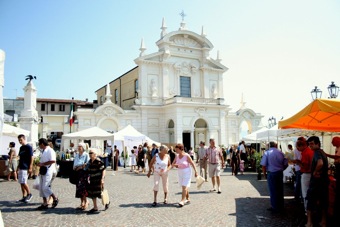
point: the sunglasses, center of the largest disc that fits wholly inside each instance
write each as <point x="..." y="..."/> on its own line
<point x="91" y="153"/>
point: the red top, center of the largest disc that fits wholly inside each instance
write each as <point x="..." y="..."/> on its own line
<point x="306" y="160"/>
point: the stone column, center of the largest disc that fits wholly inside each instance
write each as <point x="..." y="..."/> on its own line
<point x="29" y="116"/>
<point x="2" y="83"/>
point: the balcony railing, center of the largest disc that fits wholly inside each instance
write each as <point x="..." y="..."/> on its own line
<point x="193" y="100"/>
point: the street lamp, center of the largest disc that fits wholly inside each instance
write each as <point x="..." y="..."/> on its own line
<point x="316" y="93"/>
<point x="271" y="122"/>
<point x="333" y="91"/>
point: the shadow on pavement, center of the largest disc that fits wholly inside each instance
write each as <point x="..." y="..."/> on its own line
<point x="64" y="210"/>
<point x="262" y="186"/>
<point x="254" y="210"/>
<point x="148" y="205"/>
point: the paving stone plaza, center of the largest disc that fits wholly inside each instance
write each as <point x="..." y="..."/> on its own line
<point x="243" y="202"/>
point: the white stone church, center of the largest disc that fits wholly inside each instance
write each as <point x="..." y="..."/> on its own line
<point x="174" y="95"/>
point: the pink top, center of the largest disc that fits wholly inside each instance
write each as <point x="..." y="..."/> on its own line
<point x="182" y="162"/>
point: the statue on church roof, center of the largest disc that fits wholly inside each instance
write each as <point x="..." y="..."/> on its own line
<point x="30" y="77"/>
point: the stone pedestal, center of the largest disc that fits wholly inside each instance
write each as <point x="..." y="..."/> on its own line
<point x="29" y="116"/>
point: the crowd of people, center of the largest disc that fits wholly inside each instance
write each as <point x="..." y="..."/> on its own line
<point x="309" y="160"/>
<point x="312" y="178"/>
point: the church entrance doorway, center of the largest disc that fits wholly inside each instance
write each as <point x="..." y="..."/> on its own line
<point x="186" y="140"/>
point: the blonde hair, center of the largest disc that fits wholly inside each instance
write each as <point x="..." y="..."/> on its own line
<point x="162" y="147"/>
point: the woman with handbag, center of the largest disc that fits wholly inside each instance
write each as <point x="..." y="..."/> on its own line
<point x="80" y="161"/>
<point x="12" y="162"/>
<point x="96" y="170"/>
<point x="46" y="171"/>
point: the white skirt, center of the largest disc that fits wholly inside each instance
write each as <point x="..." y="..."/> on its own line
<point x="184" y="177"/>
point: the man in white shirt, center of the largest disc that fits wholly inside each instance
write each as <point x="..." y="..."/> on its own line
<point x="202" y="161"/>
<point x="47" y="162"/>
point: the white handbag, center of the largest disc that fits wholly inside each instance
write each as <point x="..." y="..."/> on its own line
<point x="199" y="181"/>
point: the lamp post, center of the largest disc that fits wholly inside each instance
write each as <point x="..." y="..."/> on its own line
<point x="271" y="122"/>
<point x="333" y="91"/>
<point x="316" y="93"/>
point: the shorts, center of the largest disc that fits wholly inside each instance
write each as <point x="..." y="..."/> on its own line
<point x="22" y="176"/>
<point x="214" y="170"/>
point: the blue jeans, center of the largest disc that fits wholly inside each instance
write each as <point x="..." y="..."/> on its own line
<point x="275" y="185"/>
<point x="298" y="186"/>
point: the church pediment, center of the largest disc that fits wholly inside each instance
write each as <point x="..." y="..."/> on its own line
<point x="154" y="57"/>
<point x="185" y="39"/>
<point x="109" y="110"/>
<point x="212" y="64"/>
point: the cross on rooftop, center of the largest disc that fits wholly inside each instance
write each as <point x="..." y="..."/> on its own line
<point x="182" y="14"/>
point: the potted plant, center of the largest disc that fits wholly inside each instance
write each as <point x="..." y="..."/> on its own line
<point x="258" y="157"/>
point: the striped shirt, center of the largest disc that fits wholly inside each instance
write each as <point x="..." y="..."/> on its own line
<point x="213" y="154"/>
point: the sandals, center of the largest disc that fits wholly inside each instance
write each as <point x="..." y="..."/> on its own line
<point x="187" y="201"/>
<point x="181" y="204"/>
<point x="107" y="206"/>
<point x="93" y="211"/>
<point x="55" y="203"/>
<point x="213" y="190"/>
<point x="154" y="204"/>
<point x="42" y="207"/>
<point x="165" y="201"/>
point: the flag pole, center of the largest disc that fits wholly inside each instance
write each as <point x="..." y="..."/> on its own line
<point x="71" y="116"/>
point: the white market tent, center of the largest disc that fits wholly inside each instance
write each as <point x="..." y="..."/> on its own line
<point x="129" y="133"/>
<point x="129" y="137"/>
<point x="275" y="133"/>
<point x="10" y="134"/>
<point x="94" y="133"/>
<point x="253" y="136"/>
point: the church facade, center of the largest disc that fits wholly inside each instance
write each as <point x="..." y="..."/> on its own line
<point x="174" y="95"/>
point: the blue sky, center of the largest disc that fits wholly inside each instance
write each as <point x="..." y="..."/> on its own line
<point x="276" y="51"/>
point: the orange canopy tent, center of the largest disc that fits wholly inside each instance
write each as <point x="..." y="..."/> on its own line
<point x="320" y="115"/>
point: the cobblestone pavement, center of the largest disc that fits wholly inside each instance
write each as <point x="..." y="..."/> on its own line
<point x="243" y="202"/>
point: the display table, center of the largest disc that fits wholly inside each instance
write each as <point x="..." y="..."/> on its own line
<point x="65" y="168"/>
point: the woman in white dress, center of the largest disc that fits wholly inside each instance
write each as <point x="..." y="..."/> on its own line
<point x="183" y="162"/>
<point x="160" y="164"/>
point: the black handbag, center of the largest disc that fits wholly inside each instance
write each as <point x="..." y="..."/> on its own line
<point x="73" y="177"/>
<point x="43" y="170"/>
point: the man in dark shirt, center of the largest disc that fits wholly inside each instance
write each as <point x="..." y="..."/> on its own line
<point x="154" y="150"/>
<point x="317" y="194"/>
<point x="25" y="168"/>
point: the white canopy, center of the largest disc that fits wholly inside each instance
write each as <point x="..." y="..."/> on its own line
<point x="94" y="133"/>
<point x="9" y="130"/>
<point x="275" y="133"/>
<point x="90" y="133"/>
<point x="253" y="136"/>
<point x="10" y="134"/>
<point x="128" y="132"/>
<point x="131" y="135"/>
